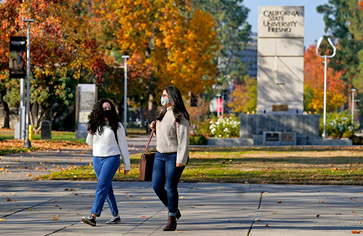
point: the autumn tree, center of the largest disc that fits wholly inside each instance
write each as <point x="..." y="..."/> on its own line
<point x="9" y="26"/>
<point x="64" y="51"/>
<point x="169" y="40"/>
<point x="314" y="84"/>
<point x="244" y="96"/>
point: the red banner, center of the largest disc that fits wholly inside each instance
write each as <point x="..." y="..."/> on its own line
<point x="219" y="105"/>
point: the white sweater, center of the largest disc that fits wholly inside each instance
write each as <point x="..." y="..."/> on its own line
<point x="173" y="137"/>
<point x="105" y="145"/>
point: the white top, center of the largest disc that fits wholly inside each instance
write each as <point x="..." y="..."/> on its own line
<point x="105" y="145"/>
<point x="173" y="137"/>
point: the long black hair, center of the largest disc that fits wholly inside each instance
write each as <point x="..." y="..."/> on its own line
<point x="177" y="105"/>
<point x="96" y="119"/>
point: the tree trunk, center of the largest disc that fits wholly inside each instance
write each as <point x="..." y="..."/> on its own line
<point x="6" y="110"/>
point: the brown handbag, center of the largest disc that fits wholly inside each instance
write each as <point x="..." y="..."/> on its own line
<point x="147" y="162"/>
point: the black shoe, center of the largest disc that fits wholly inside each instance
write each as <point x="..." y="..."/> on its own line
<point x="114" y="220"/>
<point x="89" y="220"/>
<point x="178" y="214"/>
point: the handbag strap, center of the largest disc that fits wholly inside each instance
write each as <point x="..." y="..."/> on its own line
<point x="148" y="141"/>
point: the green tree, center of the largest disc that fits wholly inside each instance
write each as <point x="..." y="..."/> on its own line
<point x="233" y="32"/>
<point x="343" y="21"/>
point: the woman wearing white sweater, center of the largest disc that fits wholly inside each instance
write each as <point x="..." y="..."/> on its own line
<point x="172" y="145"/>
<point x="107" y="136"/>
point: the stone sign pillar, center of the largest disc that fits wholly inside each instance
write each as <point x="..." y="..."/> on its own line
<point x="280" y="74"/>
<point x="86" y="97"/>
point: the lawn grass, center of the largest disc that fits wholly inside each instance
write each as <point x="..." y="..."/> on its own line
<point x="62" y="135"/>
<point x="276" y="165"/>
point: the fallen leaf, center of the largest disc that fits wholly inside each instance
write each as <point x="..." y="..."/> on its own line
<point x="279" y="202"/>
<point x="356" y="231"/>
<point x="55" y="217"/>
<point x="1" y="219"/>
<point x="317" y="215"/>
<point x="267" y="225"/>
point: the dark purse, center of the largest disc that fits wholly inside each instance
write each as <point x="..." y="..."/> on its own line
<point x="147" y="162"/>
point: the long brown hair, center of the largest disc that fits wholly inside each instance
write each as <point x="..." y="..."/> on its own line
<point x="177" y="104"/>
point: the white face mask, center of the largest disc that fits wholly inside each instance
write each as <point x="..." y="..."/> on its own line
<point x="164" y="100"/>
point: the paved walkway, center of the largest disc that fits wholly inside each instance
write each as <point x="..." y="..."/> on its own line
<point x="30" y="207"/>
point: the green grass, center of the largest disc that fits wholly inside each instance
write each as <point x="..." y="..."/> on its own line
<point x="261" y="165"/>
<point x="62" y="135"/>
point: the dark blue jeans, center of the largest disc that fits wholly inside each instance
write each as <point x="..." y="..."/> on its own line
<point x="105" y="168"/>
<point x="165" y="180"/>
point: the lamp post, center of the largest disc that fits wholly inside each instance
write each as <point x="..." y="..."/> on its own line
<point x="125" y="93"/>
<point x="27" y="143"/>
<point x="353" y="90"/>
<point x="218" y="105"/>
<point x="325" y="71"/>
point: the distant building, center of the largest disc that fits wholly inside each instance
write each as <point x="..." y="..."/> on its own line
<point x="249" y="56"/>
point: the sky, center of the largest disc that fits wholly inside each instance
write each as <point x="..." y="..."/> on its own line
<point x="314" y="23"/>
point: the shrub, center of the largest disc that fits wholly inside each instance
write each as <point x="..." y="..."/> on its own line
<point x="224" y="127"/>
<point x="203" y="128"/>
<point x="339" y="126"/>
<point x="197" y="139"/>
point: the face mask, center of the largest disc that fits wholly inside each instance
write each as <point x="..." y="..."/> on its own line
<point x="164" y="100"/>
<point x="107" y="113"/>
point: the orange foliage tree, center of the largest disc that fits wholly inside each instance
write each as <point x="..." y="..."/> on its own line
<point x="244" y="96"/>
<point x="314" y="84"/>
<point x="175" y="42"/>
<point x="64" y="50"/>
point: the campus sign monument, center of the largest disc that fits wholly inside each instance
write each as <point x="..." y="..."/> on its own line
<point x="280" y="83"/>
<point x="280" y="76"/>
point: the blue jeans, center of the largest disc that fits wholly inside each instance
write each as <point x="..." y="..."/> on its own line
<point x="105" y="168"/>
<point x="167" y="175"/>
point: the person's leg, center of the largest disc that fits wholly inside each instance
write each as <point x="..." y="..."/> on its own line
<point x="158" y="178"/>
<point x="108" y="169"/>
<point x="111" y="201"/>
<point x="172" y="177"/>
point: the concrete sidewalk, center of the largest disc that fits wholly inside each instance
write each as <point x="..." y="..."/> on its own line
<point x="56" y="208"/>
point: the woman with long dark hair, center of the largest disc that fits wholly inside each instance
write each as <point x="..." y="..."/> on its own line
<point x="172" y="145"/>
<point x="107" y="136"/>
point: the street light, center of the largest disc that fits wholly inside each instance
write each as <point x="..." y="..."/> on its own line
<point x="125" y="94"/>
<point x="325" y="71"/>
<point x="27" y="143"/>
<point x="353" y="90"/>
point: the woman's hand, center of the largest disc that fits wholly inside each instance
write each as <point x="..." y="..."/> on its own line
<point x="179" y="165"/>
<point x="153" y="125"/>
<point x="126" y="172"/>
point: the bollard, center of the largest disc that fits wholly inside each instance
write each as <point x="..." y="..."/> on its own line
<point x="31" y="132"/>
